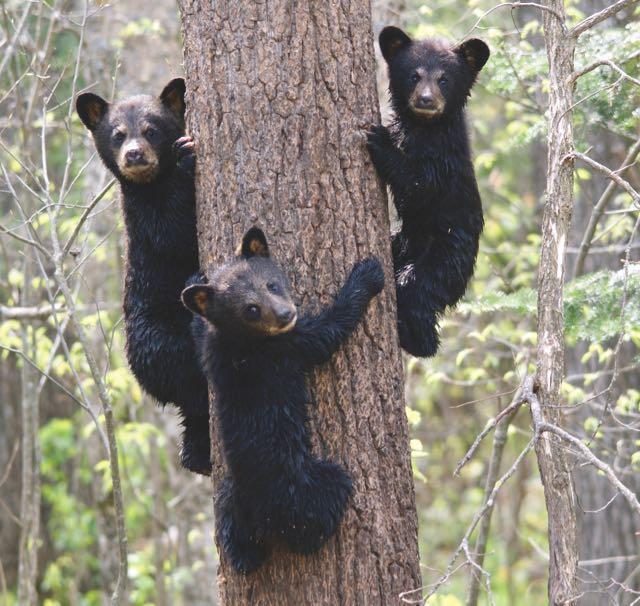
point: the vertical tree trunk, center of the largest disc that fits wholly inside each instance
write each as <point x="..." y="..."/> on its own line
<point x="30" y="495"/>
<point x="279" y="94"/>
<point x="554" y="471"/>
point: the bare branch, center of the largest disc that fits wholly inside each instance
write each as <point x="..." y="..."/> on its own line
<point x="27" y="241"/>
<point x="593" y="20"/>
<point x="85" y="215"/>
<point x="515" y="404"/>
<point x="595" y="461"/>
<point x="489" y="501"/>
<point x="43" y="312"/>
<point x="499" y="441"/>
<point x="615" y="67"/>
<point x="542" y="426"/>
<point x="8" y="52"/>
<point x="514" y="5"/>
<point x="609" y="173"/>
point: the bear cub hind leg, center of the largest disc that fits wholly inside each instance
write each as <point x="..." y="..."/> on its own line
<point x="318" y="504"/>
<point x="236" y="536"/>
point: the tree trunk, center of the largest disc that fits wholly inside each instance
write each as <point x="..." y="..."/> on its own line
<point x="552" y="461"/>
<point x="279" y="95"/>
<point x="31" y="491"/>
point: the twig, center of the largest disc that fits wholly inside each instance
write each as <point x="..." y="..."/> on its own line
<point x="499" y="441"/>
<point x="595" y="461"/>
<point x="9" y="464"/>
<point x="624" y="184"/>
<point x="16" y="36"/>
<point x="15" y="236"/>
<point x="514" y="5"/>
<point x="593" y="20"/>
<point x="405" y="595"/>
<point x="85" y="215"/>
<point x="611" y="64"/>
<point x="43" y="312"/>
<point x="542" y="426"/>
<point x="515" y="404"/>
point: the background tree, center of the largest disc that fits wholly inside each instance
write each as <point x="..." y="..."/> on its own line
<point x="279" y="97"/>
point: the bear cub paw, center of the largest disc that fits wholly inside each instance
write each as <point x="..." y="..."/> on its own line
<point x="379" y="139"/>
<point x="368" y="274"/>
<point x="185" y="153"/>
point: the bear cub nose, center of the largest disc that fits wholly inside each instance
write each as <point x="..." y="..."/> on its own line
<point x="134" y="157"/>
<point x="284" y="317"/>
<point x="425" y="101"/>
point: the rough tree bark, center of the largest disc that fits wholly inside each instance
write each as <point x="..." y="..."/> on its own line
<point x="279" y="95"/>
<point x="552" y="460"/>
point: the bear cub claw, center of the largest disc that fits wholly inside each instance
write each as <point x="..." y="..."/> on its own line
<point x="378" y="138"/>
<point x="184" y="150"/>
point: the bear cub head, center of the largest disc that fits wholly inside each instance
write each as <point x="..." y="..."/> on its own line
<point x="134" y="137"/>
<point x="247" y="297"/>
<point x="429" y="79"/>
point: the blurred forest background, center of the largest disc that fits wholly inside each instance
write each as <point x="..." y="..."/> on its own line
<point x="57" y="519"/>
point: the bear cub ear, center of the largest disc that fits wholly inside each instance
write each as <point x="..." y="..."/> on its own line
<point x="475" y="53"/>
<point x="172" y="96"/>
<point x="91" y="109"/>
<point x="391" y="40"/>
<point x="198" y="298"/>
<point x="254" y="244"/>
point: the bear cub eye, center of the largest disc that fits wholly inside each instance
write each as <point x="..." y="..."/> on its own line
<point x="415" y="77"/>
<point x="252" y="312"/>
<point x="150" y="133"/>
<point x="274" y="288"/>
<point x="443" y="80"/>
<point x="118" y="136"/>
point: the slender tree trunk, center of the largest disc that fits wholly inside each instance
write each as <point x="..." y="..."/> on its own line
<point x="30" y="495"/>
<point x="279" y="94"/>
<point x="552" y="461"/>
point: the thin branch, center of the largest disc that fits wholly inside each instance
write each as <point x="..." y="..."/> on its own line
<point x="515" y="404"/>
<point x="514" y="5"/>
<point x="15" y="236"/>
<point x="593" y="20"/>
<point x="609" y="173"/>
<point x="16" y="36"/>
<point x="43" y="312"/>
<point x="406" y="595"/>
<point x="609" y="63"/>
<point x="85" y="215"/>
<point x="542" y="426"/>
<point x="595" y="461"/>
<point x="499" y="441"/>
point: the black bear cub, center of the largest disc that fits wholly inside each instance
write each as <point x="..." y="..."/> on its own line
<point x="256" y="352"/>
<point x="141" y="141"/>
<point x="425" y="158"/>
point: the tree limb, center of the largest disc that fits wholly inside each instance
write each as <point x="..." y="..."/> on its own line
<point x="614" y="66"/>
<point x="593" y="20"/>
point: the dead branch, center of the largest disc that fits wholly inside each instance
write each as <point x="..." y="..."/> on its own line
<point x="593" y="20"/>
<point x="406" y="596"/>
<point x="514" y="5"/>
<point x="615" y="67"/>
<point x="541" y="426"/>
<point x="499" y="441"/>
<point x="43" y="312"/>
<point x="615" y="177"/>
<point x="515" y="404"/>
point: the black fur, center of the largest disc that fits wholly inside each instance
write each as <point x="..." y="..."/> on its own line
<point x="275" y="486"/>
<point x="425" y="158"/>
<point x="141" y="140"/>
